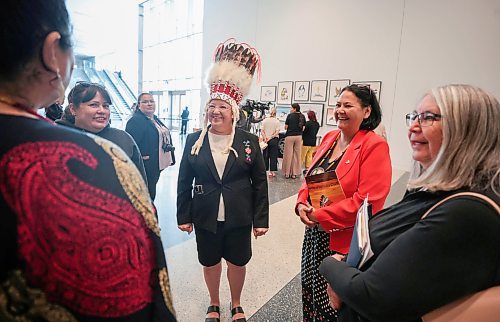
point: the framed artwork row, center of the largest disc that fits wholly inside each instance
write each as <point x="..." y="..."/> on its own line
<point x="301" y="92"/>
<point x="335" y="88"/>
<point x="330" y="116"/>
<point x="268" y="94"/>
<point x="311" y="91"/>
<point x="318" y="90"/>
<point x="373" y="85"/>
<point x="316" y="108"/>
<point x="285" y="90"/>
<point x="282" y="112"/>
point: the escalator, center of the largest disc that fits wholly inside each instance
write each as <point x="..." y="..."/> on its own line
<point x="122" y="87"/>
<point x="121" y="95"/>
<point x="78" y="76"/>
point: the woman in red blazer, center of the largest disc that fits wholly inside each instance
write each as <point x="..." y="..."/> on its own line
<point x="362" y="163"/>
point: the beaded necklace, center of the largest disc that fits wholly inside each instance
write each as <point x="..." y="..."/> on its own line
<point x="326" y="158"/>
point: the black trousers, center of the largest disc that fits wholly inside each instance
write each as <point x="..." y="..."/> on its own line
<point x="153" y="175"/>
<point x="271" y="155"/>
<point x="184" y="124"/>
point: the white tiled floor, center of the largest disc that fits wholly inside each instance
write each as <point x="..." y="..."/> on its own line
<point x="276" y="256"/>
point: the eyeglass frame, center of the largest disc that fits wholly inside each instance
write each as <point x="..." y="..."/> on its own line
<point x="424" y="119"/>
<point x="220" y="107"/>
<point x="148" y="101"/>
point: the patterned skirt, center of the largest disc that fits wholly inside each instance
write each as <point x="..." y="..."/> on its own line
<point x="315" y="302"/>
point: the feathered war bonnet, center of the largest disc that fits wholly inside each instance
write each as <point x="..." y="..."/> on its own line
<point x="229" y="79"/>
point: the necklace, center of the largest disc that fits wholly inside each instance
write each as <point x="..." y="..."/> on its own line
<point x="24" y="108"/>
<point x="320" y="169"/>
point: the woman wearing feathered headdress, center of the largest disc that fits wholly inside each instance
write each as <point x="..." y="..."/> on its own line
<point x="222" y="187"/>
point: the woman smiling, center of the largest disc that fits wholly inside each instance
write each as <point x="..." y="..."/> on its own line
<point x="361" y="161"/>
<point x="440" y="242"/>
<point x="89" y="111"/>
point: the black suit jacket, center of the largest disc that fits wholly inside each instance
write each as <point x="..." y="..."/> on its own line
<point x="243" y="185"/>
<point x="145" y="135"/>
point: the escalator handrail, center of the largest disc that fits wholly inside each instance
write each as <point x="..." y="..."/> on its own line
<point x="122" y="112"/>
<point x="128" y="97"/>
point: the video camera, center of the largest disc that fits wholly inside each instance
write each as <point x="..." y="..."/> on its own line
<point x="252" y="105"/>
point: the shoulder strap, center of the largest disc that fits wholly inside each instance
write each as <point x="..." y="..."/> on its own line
<point x="460" y="194"/>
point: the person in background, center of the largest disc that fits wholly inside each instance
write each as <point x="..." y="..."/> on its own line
<point x="270" y="130"/>
<point x="79" y="240"/>
<point x="380" y="130"/>
<point x="309" y="139"/>
<point x="294" y="126"/>
<point x="88" y="110"/>
<point x="184" y="120"/>
<point x="222" y="187"/>
<point x="454" y="135"/>
<point x="153" y="138"/>
<point x="54" y="111"/>
<point x="361" y="161"/>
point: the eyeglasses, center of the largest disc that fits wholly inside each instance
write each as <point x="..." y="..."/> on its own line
<point x="147" y="101"/>
<point x="424" y="119"/>
<point x="220" y="107"/>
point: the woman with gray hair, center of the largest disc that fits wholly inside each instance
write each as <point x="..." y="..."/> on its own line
<point x="422" y="245"/>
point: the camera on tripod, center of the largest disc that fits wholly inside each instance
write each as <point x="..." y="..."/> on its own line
<point x="251" y="105"/>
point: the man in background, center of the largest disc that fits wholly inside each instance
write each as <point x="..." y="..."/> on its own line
<point x="184" y="119"/>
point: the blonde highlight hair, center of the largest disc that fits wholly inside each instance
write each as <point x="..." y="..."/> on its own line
<point x="470" y="151"/>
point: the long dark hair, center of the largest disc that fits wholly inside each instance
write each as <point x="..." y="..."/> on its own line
<point x="84" y="92"/>
<point x="24" y="25"/>
<point x="367" y="98"/>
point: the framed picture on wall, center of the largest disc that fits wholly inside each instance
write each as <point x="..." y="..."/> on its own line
<point x="334" y="90"/>
<point x="318" y="90"/>
<point x="330" y="116"/>
<point x="316" y="108"/>
<point x="282" y="112"/>
<point x="268" y="93"/>
<point x="301" y="92"/>
<point x="285" y="90"/>
<point x="375" y="86"/>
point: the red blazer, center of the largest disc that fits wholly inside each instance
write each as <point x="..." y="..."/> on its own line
<point x="364" y="169"/>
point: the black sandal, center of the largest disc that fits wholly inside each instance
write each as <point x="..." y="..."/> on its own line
<point x="211" y="309"/>
<point x="236" y="310"/>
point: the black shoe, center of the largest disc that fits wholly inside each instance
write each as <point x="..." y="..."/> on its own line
<point x="211" y="309"/>
<point x="236" y="310"/>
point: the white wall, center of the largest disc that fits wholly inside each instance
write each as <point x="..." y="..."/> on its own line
<point x="409" y="45"/>
<point x="107" y="29"/>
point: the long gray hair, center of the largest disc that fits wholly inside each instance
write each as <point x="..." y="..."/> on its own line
<point x="470" y="152"/>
